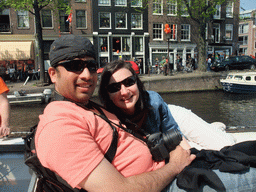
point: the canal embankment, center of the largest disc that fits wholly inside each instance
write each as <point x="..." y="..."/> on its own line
<point x="177" y="82"/>
<point x="183" y="81"/>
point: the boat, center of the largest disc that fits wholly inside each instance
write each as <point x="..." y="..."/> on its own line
<point x="244" y="82"/>
<point x="16" y="176"/>
<point x="21" y="96"/>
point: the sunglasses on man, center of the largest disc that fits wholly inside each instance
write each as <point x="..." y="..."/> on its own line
<point x="79" y="65"/>
<point x="115" y="87"/>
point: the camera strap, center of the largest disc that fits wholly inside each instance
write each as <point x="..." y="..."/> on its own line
<point x="90" y="106"/>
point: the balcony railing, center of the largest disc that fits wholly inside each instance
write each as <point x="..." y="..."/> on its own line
<point x="4" y="27"/>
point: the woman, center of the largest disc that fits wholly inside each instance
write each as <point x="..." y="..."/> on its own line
<point x="123" y="93"/>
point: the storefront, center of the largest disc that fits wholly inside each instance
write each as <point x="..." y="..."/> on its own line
<point x="16" y="50"/>
<point x="220" y="52"/>
<point x="116" y="46"/>
<point x="16" y="57"/>
<point x="158" y="51"/>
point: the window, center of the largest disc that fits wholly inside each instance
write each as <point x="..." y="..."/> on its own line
<point x="185" y="32"/>
<point x="104" y="20"/>
<point x="23" y="19"/>
<point x="184" y="11"/>
<point x="172" y="7"/>
<point x="216" y="32"/>
<point x="46" y="18"/>
<point x="103" y="42"/>
<point x="218" y="12"/>
<point x="243" y="51"/>
<point x="243" y="28"/>
<point x="78" y="1"/>
<point x="116" y="44"/>
<point x="229" y="31"/>
<point x="81" y="19"/>
<point x="237" y="77"/>
<point x="138" y="44"/>
<point x="157" y="31"/>
<point x="229" y="9"/>
<point x="104" y="3"/>
<point x="243" y="40"/>
<point x="121" y="44"/>
<point x="136" y="3"/>
<point x="121" y="20"/>
<point x="157" y="7"/>
<point x="64" y="26"/>
<point x="4" y="20"/>
<point x="248" y="78"/>
<point x="136" y="20"/>
<point x="126" y="42"/>
<point x="121" y="2"/>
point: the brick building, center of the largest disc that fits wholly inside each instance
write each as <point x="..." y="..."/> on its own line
<point x="247" y="33"/>
<point x="119" y="29"/>
<point x="17" y="30"/>
<point x="221" y="35"/>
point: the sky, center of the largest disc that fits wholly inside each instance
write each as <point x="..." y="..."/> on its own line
<point x="247" y="4"/>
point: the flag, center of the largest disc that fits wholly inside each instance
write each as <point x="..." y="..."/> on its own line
<point x="174" y="31"/>
<point x="69" y="19"/>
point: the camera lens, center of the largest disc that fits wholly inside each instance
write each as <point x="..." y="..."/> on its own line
<point x="171" y="138"/>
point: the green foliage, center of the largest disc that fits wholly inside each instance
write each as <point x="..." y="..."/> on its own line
<point x="31" y="5"/>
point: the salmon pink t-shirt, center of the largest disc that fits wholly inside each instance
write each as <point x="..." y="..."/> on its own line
<point x="72" y="141"/>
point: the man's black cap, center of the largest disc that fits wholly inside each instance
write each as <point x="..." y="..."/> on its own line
<point x="68" y="47"/>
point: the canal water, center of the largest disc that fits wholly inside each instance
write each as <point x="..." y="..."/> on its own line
<point x="231" y="109"/>
<point x="218" y="106"/>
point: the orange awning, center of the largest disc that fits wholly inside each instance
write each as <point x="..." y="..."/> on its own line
<point x="16" y="50"/>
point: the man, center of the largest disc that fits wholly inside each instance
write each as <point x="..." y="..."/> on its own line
<point x="189" y="63"/>
<point x="71" y="140"/>
<point x="20" y="70"/>
<point x="209" y="62"/>
<point x="4" y="109"/>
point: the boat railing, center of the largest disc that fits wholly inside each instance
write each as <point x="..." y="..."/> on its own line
<point x="14" y="174"/>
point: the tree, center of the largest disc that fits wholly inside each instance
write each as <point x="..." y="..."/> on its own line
<point x="35" y="7"/>
<point x="201" y="13"/>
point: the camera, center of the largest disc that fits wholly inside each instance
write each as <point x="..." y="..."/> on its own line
<point x="161" y="144"/>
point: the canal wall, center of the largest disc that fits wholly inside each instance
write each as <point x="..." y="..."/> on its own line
<point x="178" y="82"/>
<point x="182" y="82"/>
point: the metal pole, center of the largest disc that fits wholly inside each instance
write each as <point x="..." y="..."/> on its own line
<point x="168" y="56"/>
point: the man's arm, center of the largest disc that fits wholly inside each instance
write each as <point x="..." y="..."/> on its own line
<point x="106" y="178"/>
<point x="5" y="115"/>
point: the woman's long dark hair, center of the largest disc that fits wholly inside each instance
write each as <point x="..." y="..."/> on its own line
<point x="108" y="71"/>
